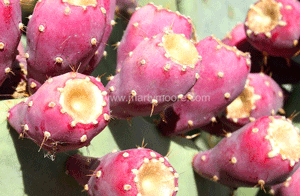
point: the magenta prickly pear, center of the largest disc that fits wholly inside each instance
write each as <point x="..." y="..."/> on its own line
<point x="65" y="113"/>
<point x="109" y="23"/>
<point x="289" y="187"/>
<point x="214" y="90"/>
<point x="272" y="26"/>
<point x="10" y="28"/>
<point x="70" y="39"/>
<point x="157" y="21"/>
<point x="283" y="70"/>
<point x="130" y="172"/>
<point x="158" y="71"/>
<point x="265" y="152"/>
<point x="262" y="96"/>
<point x="238" y="38"/>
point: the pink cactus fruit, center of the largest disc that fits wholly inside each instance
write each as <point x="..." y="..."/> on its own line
<point x="264" y="152"/>
<point x="157" y="21"/>
<point x="147" y="85"/>
<point x="238" y="38"/>
<point x="109" y="23"/>
<point x="10" y="27"/>
<point x="130" y="172"/>
<point x="64" y="114"/>
<point x="222" y="78"/>
<point x="272" y="26"/>
<point x="290" y="187"/>
<point x="70" y="39"/>
<point x="262" y="96"/>
<point x="283" y="70"/>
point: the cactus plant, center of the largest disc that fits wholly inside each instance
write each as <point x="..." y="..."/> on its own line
<point x="32" y="172"/>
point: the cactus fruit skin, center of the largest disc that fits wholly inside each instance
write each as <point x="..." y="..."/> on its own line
<point x="283" y="71"/>
<point x="272" y="26"/>
<point x="238" y="38"/>
<point x="55" y="44"/>
<point x="81" y="168"/>
<point x="109" y="23"/>
<point x="214" y="90"/>
<point x="157" y="21"/>
<point x="264" y="152"/>
<point x="10" y="27"/>
<point x="64" y="114"/>
<point x="148" y="85"/>
<point x="290" y="187"/>
<point x="130" y="172"/>
<point x="262" y="96"/>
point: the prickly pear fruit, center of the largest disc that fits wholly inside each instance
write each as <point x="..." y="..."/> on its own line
<point x="157" y="21"/>
<point x="264" y="152"/>
<point x="272" y="26"/>
<point x="262" y="96"/>
<point x="283" y="70"/>
<point x="64" y="114"/>
<point x="70" y="39"/>
<point x="147" y="85"/>
<point x="214" y="90"/>
<point x="10" y="28"/>
<point x="130" y="172"/>
<point x="289" y="187"/>
<point x="95" y="60"/>
<point x="238" y="38"/>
